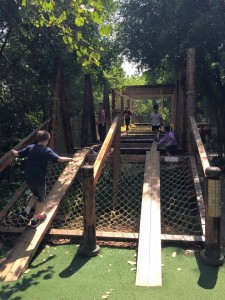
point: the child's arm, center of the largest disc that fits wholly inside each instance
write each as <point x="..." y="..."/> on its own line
<point x="14" y="153"/>
<point x="64" y="159"/>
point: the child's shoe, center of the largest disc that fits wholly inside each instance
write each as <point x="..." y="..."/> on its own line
<point x="40" y="219"/>
<point x="23" y="215"/>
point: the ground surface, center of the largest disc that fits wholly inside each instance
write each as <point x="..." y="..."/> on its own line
<point x="57" y="273"/>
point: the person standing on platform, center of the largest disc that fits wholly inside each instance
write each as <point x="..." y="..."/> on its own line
<point x="156" y="121"/>
<point x="127" y="114"/>
<point x="101" y="122"/>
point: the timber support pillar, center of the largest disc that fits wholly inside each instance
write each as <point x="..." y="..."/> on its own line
<point x="212" y="253"/>
<point x="90" y="247"/>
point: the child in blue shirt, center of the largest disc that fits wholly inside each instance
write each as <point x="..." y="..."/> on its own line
<point x="38" y="156"/>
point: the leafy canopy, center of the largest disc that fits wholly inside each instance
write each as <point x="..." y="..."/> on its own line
<point x="73" y="21"/>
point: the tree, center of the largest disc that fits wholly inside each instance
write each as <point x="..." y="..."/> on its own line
<point x="156" y="35"/>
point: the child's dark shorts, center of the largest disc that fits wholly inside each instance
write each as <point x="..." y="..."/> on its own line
<point x="155" y="128"/>
<point x="171" y="149"/>
<point x="38" y="191"/>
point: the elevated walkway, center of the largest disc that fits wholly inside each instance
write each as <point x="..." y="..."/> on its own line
<point x="24" y="250"/>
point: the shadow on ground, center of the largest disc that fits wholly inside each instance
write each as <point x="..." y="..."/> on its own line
<point x="76" y="264"/>
<point x="208" y="274"/>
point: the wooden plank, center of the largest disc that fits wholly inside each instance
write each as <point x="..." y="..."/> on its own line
<point x="128" y="158"/>
<point x="99" y="163"/>
<point x="13" y="200"/>
<point x="149" y="271"/>
<point x="199" y="144"/>
<point x="24" y="250"/>
<point x="198" y="191"/>
<point x="101" y="235"/>
<point x="8" y="158"/>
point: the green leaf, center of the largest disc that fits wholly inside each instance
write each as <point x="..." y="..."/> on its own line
<point x="70" y="40"/>
<point x="97" y="18"/>
<point x="24" y="2"/>
<point x="79" y="21"/>
<point x="105" y="30"/>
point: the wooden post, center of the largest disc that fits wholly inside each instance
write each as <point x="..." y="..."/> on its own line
<point x="68" y="136"/>
<point x="90" y="247"/>
<point x="54" y="108"/>
<point x="107" y="107"/>
<point x="180" y="119"/>
<point x="92" y="113"/>
<point x="122" y="108"/>
<point x="85" y="128"/>
<point x="113" y="100"/>
<point x="212" y="253"/>
<point x="116" y="161"/>
<point x="190" y="93"/>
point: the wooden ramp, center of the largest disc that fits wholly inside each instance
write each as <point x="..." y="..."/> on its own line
<point x="22" y="253"/>
<point x="149" y="272"/>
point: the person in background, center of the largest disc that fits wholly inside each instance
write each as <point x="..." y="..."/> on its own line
<point x="169" y="141"/>
<point x="127" y="114"/>
<point x="101" y="122"/>
<point x="156" y="121"/>
<point x="38" y="156"/>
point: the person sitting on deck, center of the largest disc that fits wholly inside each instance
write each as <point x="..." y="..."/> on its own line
<point x="156" y="121"/>
<point x="38" y="155"/>
<point x="169" y="141"/>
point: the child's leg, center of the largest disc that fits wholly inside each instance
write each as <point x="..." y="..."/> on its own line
<point x="40" y="204"/>
<point x="32" y="201"/>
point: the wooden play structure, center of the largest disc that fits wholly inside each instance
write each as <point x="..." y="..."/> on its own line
<point x="123" y="189"/>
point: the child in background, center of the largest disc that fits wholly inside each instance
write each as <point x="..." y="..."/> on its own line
<point x="38" y="155"/>
<point x="156" y="121"/>
<point x="169" y="141"/>
<point x="127" y="114"/>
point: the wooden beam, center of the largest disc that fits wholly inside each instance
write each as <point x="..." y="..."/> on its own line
<point x="101" y="158"/>
<point x="13" y="200"/>
<point x="149" y="272"/>
<point x="106" y="235"/>
<point x="22" y="253"/>
<point x="198" y="191"/>
<point x="8" y="158"/>
<point x="199" y="144"/>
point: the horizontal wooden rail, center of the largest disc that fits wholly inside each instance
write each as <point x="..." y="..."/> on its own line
<point x="8" y="158"/>
<point x="199" y="144"/>
<point x="102" y="156"/>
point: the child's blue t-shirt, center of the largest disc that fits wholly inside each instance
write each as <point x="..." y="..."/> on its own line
<point x="38" y="157"/>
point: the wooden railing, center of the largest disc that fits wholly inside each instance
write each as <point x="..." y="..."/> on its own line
<point x="201" y="149"/>
<point x="8" y="158"/>
<point x="212" y="253"/>
<point x="101" y="158"/>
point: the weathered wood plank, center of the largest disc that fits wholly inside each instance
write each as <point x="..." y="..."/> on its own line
<point x="199" y="144"/>
<point x="198" y="191"/>
<point x="24" y="250"/>
<point x="13" y="200"/>
<point x="8" y="158"/>
<point x="100" y="160"/>
<point x="149" y="271"/>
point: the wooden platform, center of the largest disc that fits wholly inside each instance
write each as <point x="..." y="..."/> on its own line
<point x="149" y="271"/>
<point x="22" y="253"/>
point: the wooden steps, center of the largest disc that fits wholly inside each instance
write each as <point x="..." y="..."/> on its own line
<point x="149" y="271"/>
<point x="22" y="253"/>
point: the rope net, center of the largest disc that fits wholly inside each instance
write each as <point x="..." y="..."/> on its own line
<point x="179" y="209"/>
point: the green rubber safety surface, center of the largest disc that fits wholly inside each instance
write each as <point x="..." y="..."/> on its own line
<point x="58" y="273"/>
